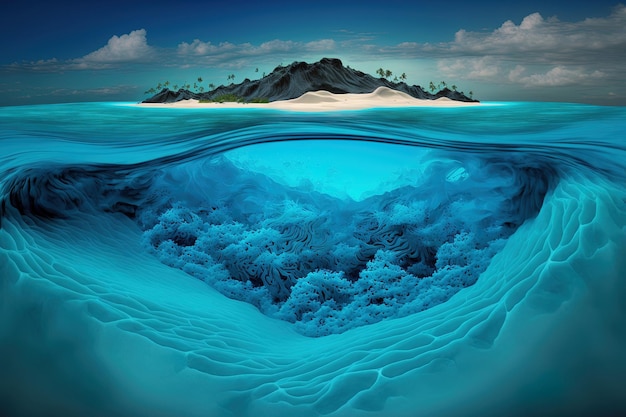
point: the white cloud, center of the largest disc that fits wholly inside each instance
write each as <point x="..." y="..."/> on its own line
<point x="469" y="68"/>
<point x="539" y="52"/>
<point x="321" y="45"/>
<point x="532" y="33"/>
<point x="226" y="49"/>
<point x="274" y="46"/>
<point x="133" y="48"/>
<point x="126" y="48"/>
<point x="129" y="48"/>
<point x="199" y="48"/>
<point x="536" y="36"/>
<point x="516" y="73"/>
<point x="559" y="53"/>
<point x="42" y="65"/>
<point x="558" y="76"/>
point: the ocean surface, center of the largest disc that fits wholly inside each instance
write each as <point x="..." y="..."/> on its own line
<point x="254" y="262"/>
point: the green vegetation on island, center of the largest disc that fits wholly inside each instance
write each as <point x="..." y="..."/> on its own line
<point x="232" y="98"/>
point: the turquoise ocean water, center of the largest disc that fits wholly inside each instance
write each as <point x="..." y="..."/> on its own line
<point x="252" y="262"/>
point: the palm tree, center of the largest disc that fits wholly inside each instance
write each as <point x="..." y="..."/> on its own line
<point x="175" y="87"/>
<point x="199" y="79"/>
<point x="471" y="93"/>
<point x="211" y="86"/>
<point x="403" y="77"/>
<point x="432" y="87"/>
<point x="257" y="69"/>
<point x="388" y="73"/>
<point x="454" y="87"/>
<point x="444" y="84"/>
<point x="381" y="72"/>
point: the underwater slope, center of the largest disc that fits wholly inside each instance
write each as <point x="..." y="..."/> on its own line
<point x="92" y="323"/>
<point x="294" y="80"/>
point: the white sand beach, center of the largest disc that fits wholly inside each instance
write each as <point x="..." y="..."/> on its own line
<point x="326" y="101"/>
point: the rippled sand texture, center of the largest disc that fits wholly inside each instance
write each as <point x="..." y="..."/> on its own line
<point x="92" y="324"/>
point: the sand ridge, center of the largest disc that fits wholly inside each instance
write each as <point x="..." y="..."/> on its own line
<point x="326" y="101"/>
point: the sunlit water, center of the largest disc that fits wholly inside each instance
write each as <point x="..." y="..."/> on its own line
<point x="386" y="262"/>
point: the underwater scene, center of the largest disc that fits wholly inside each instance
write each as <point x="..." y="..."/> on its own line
<point x="432" y="261"/>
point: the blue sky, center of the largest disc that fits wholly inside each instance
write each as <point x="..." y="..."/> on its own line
<point x="502" y="50"/>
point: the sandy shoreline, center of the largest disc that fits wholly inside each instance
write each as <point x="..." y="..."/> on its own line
<point x="325" y="101"/>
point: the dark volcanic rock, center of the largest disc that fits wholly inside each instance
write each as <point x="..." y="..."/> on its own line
<point x="454" y="95"/>
<point x="168" y="96"/>
<point x="293" y="80"/>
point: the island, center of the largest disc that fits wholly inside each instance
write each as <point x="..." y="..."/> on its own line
<point x="323" y="85"/>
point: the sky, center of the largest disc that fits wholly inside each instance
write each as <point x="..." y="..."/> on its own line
<point x="501" y="50"/>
